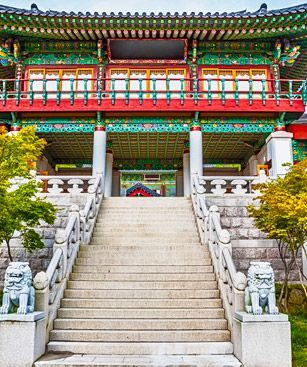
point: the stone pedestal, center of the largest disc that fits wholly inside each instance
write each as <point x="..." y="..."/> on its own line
<point x="22" y="339"/>
<point x="262" y="340"/>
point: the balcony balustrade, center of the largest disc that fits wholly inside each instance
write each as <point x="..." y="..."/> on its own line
<point x="108" y="94"/>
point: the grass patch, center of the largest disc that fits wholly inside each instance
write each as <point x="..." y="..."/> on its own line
<point x="298" y="318"/>
<point x="299" y="339"/>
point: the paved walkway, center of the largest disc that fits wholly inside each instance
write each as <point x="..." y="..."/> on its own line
<point x="158" y="361"/>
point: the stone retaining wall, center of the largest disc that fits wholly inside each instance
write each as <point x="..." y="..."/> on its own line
<point x="39" y="260"/>
<point x="249" y="243"/>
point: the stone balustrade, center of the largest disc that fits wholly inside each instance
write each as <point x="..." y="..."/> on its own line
<point x="50" y="285"/>
<point x="238" y="185"/>
<point x="74" y="185"/>
<point x="231" y="283"/>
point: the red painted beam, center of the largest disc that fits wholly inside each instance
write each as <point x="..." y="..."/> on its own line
<point x="299" y="131"/>
<point x="148" y="105"/>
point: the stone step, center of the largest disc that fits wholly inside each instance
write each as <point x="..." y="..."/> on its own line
<point x="153" y="255"/>
<point x="128" y="215"/>
<point x="151" y="242"/>
<point x="126" y="303"/>
<point x="149" y="206"/>
<point x="116" y="221"/>
<point x="146" y="208"/>
<point x="184" y="277"/>
<point x="140" y="313"/>
<point x="119" y="229"/>
<point x="96" y="250"/>
<point x="146" y="201"/>
<point x="79" y="284"/>
<point x="142" y="208"/>
<point x="122" y="227"/>
<point x="155" y="247"/>
<point x="145" y="241"/>
<point x="139" y="348"/>
<point x="183" y="236"/>
<point x="145" y="218"/>
<point x="143" y="261"/>
<point x="140" y="324"/>
<point x="78" y="360"/>
<point x="122" y="214"/>
<point x="143" y="269"/>
<point x="141" y="293"/>
<point x="165" y="201"/>
<point x="140" y="336"/>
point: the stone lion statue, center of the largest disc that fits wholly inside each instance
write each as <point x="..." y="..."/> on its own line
<point x="18" y="290"/>
<point x="260" y="290"/>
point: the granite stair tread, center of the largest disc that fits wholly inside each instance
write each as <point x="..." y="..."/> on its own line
<point x="145" y="288"/>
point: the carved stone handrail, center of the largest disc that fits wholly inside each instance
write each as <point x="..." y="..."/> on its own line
<point x="65" y="184"/>
<point x="231" y="283"/>
<point x="239" y="185"/>
<point x="50" y="285"/>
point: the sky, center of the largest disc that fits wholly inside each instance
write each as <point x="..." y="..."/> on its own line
<point x="151" y="5"/>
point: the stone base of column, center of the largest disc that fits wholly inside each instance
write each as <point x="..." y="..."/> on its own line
<point x="22" y="339"/>
<point x="262" y="340"/>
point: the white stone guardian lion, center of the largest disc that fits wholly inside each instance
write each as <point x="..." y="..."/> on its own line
<point x="260" y="290"/>
<point x="18" y="290"/>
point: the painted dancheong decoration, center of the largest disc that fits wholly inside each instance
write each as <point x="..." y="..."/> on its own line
<point x="260" y="290"/>
<point x="141" y="190"/>
<point x="9" y="52"/>
<point x="288" y="56"/>
<point x="18" y="290"/>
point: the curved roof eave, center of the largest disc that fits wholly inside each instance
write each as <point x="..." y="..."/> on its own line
<point x="261" y="12"/>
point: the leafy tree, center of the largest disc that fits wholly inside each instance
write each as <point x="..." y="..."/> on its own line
<point x="282" y="215"/>
<point x="20" y="207"/>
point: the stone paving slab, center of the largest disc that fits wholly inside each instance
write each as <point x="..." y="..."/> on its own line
<point x="55" y="360"/>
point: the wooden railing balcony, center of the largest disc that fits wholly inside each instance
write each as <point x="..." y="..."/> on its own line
<point x="109" y="94"/>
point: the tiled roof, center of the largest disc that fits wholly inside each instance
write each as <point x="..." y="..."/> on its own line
<point x="139" y="186"/>
<point x="261" y="12"/>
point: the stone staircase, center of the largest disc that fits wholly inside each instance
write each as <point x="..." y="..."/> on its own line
<point x="142" y="293"/>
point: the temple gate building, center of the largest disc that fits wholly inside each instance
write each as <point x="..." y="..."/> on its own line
<point x="158" y="128"/>
<point x="151" y="98"/>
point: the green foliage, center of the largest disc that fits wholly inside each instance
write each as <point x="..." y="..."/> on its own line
<point x="21" y="209"/>
<point x="17" y="151"/>
<point x="283" y="207"/>
<point x="282" y="215"/>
